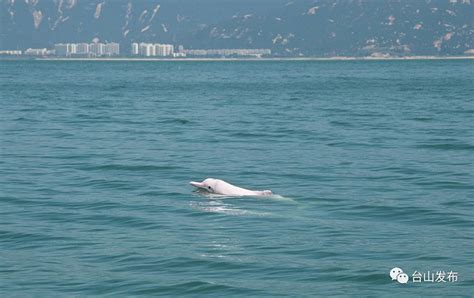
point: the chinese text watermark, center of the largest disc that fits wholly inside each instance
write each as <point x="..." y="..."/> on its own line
<point x="439" y="276"/>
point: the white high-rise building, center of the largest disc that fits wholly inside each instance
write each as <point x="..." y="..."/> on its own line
<point x="36" y="52"/>
<point x="96" y="49"/>
<point x="161" y="50"/>
<point x="152" y="50"/>
<point x="111" y="49"/>
<point x="169" y="50"/>
<point x="82" y="49"/>
<point x="164" y="50"/>
<point x="72" y="48"/>
<point x="158" y="49"/>
<point x="135" y="49"/>
<point x="142" y="49"/>
<point x="147" y="49"/>
<point x="65" y="49"/>
<point x="61" y="49"/>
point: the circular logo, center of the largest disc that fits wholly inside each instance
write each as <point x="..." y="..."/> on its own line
<point x="402" y="278"/>
<point x="395" y="272"/>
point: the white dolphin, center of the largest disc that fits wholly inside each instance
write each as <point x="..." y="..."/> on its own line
<point x="220" y="187"/>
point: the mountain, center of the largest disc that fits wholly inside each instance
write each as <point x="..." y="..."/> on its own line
<point x="289" y="28"/>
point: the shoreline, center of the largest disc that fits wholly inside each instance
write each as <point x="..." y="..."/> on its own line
<point x="341" y="58"/>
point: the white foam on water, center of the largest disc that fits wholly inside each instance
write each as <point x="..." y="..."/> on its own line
<point x="215" y="206"/>
<point x="275" y="197"/>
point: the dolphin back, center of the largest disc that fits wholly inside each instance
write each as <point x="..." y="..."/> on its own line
<point x="265" y="192"/>
<point x="229" y="189"/>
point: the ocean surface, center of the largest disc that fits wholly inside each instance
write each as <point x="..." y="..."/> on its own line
<point x="371" y="161"/>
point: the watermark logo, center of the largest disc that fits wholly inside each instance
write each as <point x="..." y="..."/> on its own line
<point x="419" y="277"/>
<point x="398" y="275"/>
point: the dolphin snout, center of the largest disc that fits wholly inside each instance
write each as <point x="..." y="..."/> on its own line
<point x="197" y="184"/>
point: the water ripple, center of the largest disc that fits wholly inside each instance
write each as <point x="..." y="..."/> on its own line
<point x="371" y="171"/>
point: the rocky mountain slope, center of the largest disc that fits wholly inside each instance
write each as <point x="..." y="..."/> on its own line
<point x="288" y="27"/>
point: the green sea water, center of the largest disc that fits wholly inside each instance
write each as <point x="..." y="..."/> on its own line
<point x="372" y="162"/>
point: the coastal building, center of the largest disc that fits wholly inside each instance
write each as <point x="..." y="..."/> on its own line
<point x="111" y="49"/>
<point x="135" y="48"/>
<point x="11" y="52"/>
<point x="152" y="50"/>
<point x="96" y="49"/>
<point x="164" y="50"/>
<point x="36" y="52"/>
<point x="65" y="49"/>
<point x="146" y="49"/>
<point x="179" y="55"/>
<point x="88" y="50"/>
<point x="159" y="50"/>
<point x="229" y="52"/>
<point x="72" y="48"/>
<point x="82" y="49"/>
<point x="61" y="49"/>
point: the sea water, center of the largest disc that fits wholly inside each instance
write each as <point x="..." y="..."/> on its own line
<point x="371" y="163"/>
